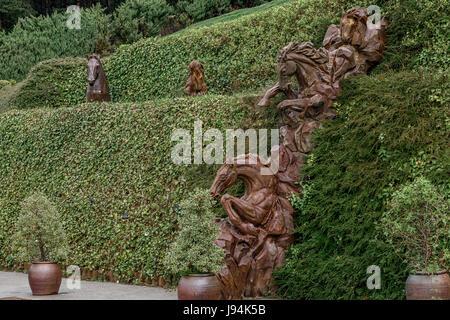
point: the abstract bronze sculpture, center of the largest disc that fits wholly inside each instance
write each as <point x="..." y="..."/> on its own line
<point x="97" y="89"/>
<point x="260" y="224"/>
<point x="196" y="84"/>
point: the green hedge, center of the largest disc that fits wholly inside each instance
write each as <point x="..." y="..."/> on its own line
<point x="52" y="83"/>
<point x="35" y="39"/>
<point x="390" y="129"/>
<point x="97" y="162"/>
<point x="238" y="56"/>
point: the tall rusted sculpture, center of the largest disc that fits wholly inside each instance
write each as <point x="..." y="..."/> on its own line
<point x="259" y="225"/>
<point x="97" y="89"/>
<point x="196" y="84"/>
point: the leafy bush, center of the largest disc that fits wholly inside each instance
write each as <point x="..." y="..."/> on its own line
<point x="193" y="250"/>
<point x="35" y="39"/>
<point x="417" y="225"/>
<point x="238" y="56"/>
<point x="12" y="10"/>
<point x="108" y="169"/>
<point x="390" y="129"/>
<point x="418" y="34"/>
<point x="40" y="235"/>
<point x="4" y="83"/>
<point x="136" y="19"/>
<point x="196" y="10"/>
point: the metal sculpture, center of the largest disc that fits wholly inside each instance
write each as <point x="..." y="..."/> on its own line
<point x="259" y="225"/>
<point x="196" y="84"/>
<point x="97" y="89"/>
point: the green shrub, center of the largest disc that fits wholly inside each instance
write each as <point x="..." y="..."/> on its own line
<point x="39" y="235"/>
<point x="52" y="83"/>
<point x="12" y="10"/>
<point x="390" y="129"/>
<point x="4" y="83"/>
<point x="193" y="250"/>
<point x="418" y="34"/>
<point x="417" y="226"/>
<point x="36" y="39"/>
<point x="136" y="19"/>
<point x="238" y="56"/>
<point x="197" y="10"/>
<point x="108" y="169"/>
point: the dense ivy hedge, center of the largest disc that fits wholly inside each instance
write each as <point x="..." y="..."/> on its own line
<point x="390" y="129"/>
<point x="98" y="162"/>
<point x="52" y="83"/>
<point x="239" y="55"/>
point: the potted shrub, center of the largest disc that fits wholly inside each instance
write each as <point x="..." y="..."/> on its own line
<point x="193" y="255"/>
<point x="417" y="226"/>
<point x="40" y="239"/>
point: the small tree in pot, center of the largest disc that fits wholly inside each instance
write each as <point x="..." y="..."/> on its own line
<point x="40" y="239"/>
<point x="193" y="254"/>
<point x="417" y="226"/>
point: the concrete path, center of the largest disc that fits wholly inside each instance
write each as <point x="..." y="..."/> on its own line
<point x="14" y="284"/>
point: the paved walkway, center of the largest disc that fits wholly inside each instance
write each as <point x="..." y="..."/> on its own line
<point x="14" y="284"/>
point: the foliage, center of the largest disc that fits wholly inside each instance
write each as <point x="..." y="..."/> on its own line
<point x="52" y="83"/>
<point x="136" y="19"/>
<point x="39" y="235"/>
<point x="197" y="10"/>
<point x="35" y="39"/>
<point x="389" y="130"/>
<point x="250" y="8"/>
<point x="4" y="83"/>
<point x="238" y="55"/>
<point x="418" y="34"/>
<point x="12" y="10"/>
<point x="108" y="169"/>
<point x="417" y="225"/>
<point x="193" y="249"/>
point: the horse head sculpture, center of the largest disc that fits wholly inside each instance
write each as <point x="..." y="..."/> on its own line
<point x="97" y="89"/>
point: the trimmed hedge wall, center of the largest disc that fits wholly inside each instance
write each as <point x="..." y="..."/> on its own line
<point x="390" y="129"/>
<point x="35" y="39"/>
<point x="239" y="56"/>
<point x="98" y="162"/>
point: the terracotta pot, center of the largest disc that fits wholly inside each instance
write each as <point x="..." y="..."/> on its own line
<point x="199" y="287"/>
<point x="423" y="286"/>
<point x="44" y="278"/>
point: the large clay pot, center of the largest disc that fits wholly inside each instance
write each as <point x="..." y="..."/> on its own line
<point x="422" y="286"/>
<point x="44" y="278"/>
<point x="199" y="287"/>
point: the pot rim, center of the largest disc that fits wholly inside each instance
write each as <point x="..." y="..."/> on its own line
<point x="200" y="275"/>
<point x="420" y="273"/>
<point x="44" y="262"/>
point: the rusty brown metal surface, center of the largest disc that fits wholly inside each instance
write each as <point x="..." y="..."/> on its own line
<point x="196" y="83"/>
<point x="428" y="287"/>
<point x="199" y="287"/>
<point x="259" y="226"/>
<point x="44" y="278"/>
<point x="97" y="89"/>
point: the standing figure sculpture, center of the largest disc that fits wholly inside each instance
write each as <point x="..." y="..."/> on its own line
<point x="259" y="225"/>
<point x="196" y="84"/>
<point x="97" y="89"/>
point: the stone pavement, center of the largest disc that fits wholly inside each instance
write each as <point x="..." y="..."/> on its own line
<point x="15" y="285"/>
